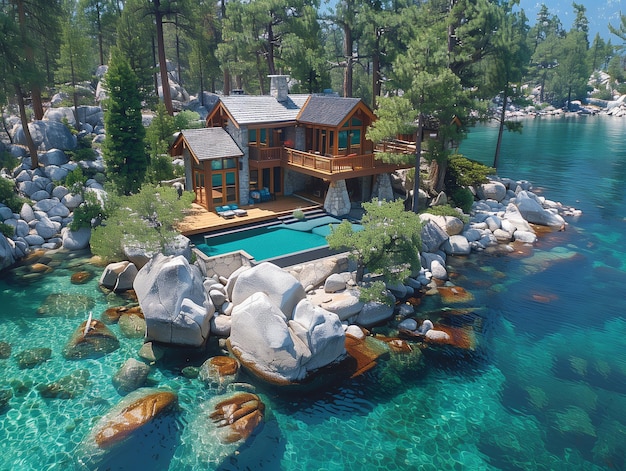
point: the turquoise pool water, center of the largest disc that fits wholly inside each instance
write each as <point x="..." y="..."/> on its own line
<point x="262" y="242"/>
<point x="545" y="391"/>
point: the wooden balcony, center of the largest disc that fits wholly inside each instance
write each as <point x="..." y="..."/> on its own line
<point x="265" y="154"/>
<point x="335" y="167"/>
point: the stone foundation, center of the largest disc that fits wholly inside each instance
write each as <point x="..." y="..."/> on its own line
<point x="337" y="200"/>
<point x="222" y="265"/>
<point x="382" y="188"/>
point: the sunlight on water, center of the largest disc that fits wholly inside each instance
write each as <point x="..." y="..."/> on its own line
<point x="546" y="389"/>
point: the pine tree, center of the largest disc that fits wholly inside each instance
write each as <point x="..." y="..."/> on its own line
<point x="124" y="147"/>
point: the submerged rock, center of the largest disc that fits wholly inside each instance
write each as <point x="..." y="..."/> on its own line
<point x="93" y="341"/>
<point x="238" y="416"/>
<point x="131" y="376"/>
<point x="219" y="371"/>
<point x="33" y="357"/>
<point x="131" y="414"/>
<point x="68" y="387"/>
<point x="5" y="397"/>
<point x="64" y="304"/>
<point x="5" y="350"/>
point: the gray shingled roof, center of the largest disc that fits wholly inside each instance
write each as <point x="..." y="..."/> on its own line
<point x="254" y="109"/>
<point x="211" y="143"/>
<point x="327" y="110"/>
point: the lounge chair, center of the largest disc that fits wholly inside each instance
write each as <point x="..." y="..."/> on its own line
<point x="225" y="212"/>
<point x="238" y="212"/>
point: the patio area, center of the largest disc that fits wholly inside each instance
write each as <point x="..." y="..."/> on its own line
<point x="199" y="221"/>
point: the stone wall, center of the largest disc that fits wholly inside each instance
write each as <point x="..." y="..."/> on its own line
<point x="222" y="265"/>
<point x="294" y="181"/>
<point x="337" y="200"/>
<point x="240" y="136"/>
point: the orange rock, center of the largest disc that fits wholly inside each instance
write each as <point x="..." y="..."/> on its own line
<point x="365" y="351"/>
<point x="133" y="416"/>
<point x="40" y="268"/>
<point x="459" y="337"/>
<point x="455" y="294"/>
<point x="81" y="277"/>
<point x="241" y="413"/>
<point x="91" y="342"/>
<point x="544" y="298"/>
<point x="113" y="314"/>
<point x="224" y="366"/>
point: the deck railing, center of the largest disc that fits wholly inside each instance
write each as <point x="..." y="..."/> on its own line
<point x="322" y="163"/>
<point x="396" y="146"/>
<point x="265" y="153"/>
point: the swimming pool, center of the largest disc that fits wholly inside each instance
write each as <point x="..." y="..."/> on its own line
<point x="268" y="242"/>
<point x="262" y="243"/>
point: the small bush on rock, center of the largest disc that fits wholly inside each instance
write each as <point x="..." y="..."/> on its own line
<point x="375" y="292"/>
<point x="9" y="196"/>
<point x="6" y="230"/>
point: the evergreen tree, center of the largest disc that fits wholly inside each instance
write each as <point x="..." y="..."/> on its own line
<point x="75" y="59"/>
<point x="430" y="93"/>
<point x="203" y="63"/>
<point x="124" y="147"/>
<point x="505" y="68"/>
<point x="134" y="36"/>
<point x="101" y="22"/>
<point x="389" y="243"/>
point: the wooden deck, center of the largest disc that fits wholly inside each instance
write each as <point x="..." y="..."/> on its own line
<point x="198" y="220"/>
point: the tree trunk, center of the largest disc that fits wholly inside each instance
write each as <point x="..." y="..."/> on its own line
<point x="201" y="70"/>
<point x="34" y="158"/>
<point x="496" y="156"/>
<point x="165" y="83"/>
<point x="543" y="86"/>
<point x="35" y="91"/>
<point x="348" y="71"/>
<point x="154" y="66"/>
<point x="376" y="70"/>
<point x="271" y="65"/>
<point x="261" y="75"/>
<point x="178" y="68"/>
<point x="569" y="98"/>
<point x="226" y="87"/>
<point x="74" y="92"/>
<point x="99" y="26"/>
<point x="418" y="157"/>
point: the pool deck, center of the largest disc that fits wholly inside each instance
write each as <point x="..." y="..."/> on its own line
<point x="199" y="221"/>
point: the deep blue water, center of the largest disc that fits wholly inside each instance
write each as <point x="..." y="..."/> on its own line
<point x="546" y="389"/>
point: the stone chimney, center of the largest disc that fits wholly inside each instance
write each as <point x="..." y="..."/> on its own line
<point x="279" y="88"/>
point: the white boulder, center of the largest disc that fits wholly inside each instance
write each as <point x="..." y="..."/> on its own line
<point x="173" y="301"/>
<point x="284" y="290"/>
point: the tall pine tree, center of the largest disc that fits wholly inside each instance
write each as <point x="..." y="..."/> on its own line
<point x="124" y="148"/>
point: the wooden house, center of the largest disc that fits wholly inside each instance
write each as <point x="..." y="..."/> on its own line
<point x="287" y="144"/>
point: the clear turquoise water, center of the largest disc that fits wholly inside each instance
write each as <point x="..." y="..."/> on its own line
<point x="262" y="243"/>
<point x="545" y="391"/>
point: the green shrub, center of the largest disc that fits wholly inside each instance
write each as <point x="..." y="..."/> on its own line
<point x="298" y="214"/>
<point x="85" y="153"/>
<point x="187" y="119"/>
<point x="375" y="292"/>
<point x="463" y="172"/>
<point x="463" y="198"/>
<point x="8" y="161"/>
<point x="161" y="169"/>
<point x="9" y="196"/>
<point x="6" y="230"/>
<point x="90" y="210"/>
<point x="75" y="181"/>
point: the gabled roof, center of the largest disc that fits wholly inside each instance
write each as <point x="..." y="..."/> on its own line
<point x="259" y="109"/>
<point x="208" y="143"/>
<point x="329" y="110"/>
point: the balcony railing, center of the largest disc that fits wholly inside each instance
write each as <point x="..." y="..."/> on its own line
<point x="396" y="146"/>
<point x="327" y="164"/>
<point x="261" y="154"/>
